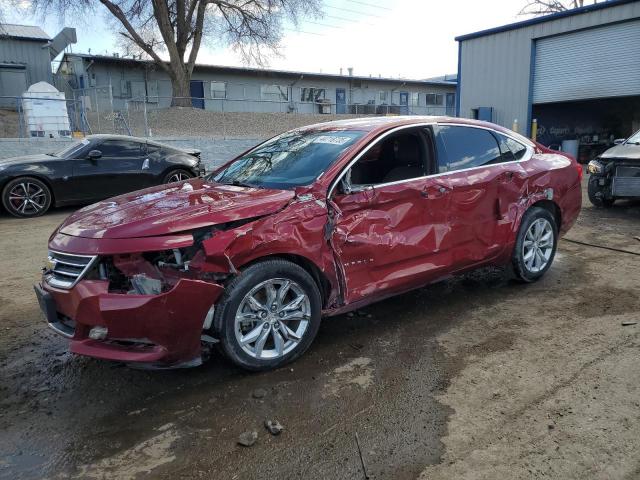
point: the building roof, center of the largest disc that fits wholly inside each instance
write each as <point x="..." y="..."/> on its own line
<point x="200" y="66"/>
<point x="545" y="18"/>
<point x="30" y="32"/>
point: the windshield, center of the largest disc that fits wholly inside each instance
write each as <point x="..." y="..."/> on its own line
<point x="635" y="138"/>
<point x="72" y="149"/>
<point x="289" y="160"/>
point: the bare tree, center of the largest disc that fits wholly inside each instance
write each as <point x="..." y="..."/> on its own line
<point x="543" y="7"/>
<point x="178" y="27"/>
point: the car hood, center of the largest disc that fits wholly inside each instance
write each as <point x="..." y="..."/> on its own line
<point x="173" y="208"/>
<point x="27" y="159"/>
<point x="624" y="151"/>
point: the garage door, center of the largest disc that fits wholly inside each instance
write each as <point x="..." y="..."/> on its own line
<point x="596" y="63"/>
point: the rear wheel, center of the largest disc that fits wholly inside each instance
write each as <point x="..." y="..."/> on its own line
<point x="269" y="315"/>
<point x="26" y="197"/>
<point x="597" y="194"/>
<point x="535" y="245"/>
<point x="177" y="176"/>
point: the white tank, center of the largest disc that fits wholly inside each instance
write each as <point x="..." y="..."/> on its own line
<point x="45" y="111"/>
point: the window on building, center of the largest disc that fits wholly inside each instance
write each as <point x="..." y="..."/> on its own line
<point x="312" y="94"/>
<point x="276" y="93"/>
<point x="218" y="90"/>
<point x="383" y="96"/>
<point x="414" y="99"/>
<point x="466" y="147"/>
<point x="434" y="98"/>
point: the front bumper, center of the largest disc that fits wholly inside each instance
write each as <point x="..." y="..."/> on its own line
<point x="160" y="329"/>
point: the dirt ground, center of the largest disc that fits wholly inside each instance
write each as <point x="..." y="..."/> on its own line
<point x="475" y="378"/>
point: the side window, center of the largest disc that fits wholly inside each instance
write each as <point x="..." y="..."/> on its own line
<point x="119" y="149"/>
<point x="511" y="149"/>
<point x="465" y="147"/>
<point x="399" y="157"/>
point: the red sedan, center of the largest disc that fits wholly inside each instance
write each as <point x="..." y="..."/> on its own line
<point x="314" y="222"/>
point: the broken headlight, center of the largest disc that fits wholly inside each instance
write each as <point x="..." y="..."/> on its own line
<point x="595" y="166"/>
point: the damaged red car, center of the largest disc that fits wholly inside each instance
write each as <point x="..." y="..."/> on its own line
<point x="314" y="222"/>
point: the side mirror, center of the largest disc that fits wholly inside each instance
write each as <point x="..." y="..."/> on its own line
<point x="94" y="154"/>
<point x="619" y="141"/>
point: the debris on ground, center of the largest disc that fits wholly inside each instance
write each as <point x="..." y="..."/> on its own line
<point x="259" y="393"/>
<point x="364" y="467"/>
<point x="274" y="427"/>
<point x="247" y="439"/>
<point x="628" y="323"/>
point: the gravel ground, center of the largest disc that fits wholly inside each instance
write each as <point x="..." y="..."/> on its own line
<point x="474" y="378"/>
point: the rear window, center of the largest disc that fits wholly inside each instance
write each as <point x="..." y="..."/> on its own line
<point x="465" y="147"/>
<point x="511" y="149"/>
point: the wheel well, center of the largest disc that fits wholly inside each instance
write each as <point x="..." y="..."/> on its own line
<point x="318" y="275"/>
<point x="37" y="177"/>
<point x="174" y="168"/>
<point x="553" y="208"/>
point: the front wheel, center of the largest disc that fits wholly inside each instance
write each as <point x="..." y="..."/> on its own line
<point x="596" y="194"/>
<point x="269" y="315"/>
<point x="535" y="245"/>
<point x="177" y="176"/>
<point x="26" y="197"/>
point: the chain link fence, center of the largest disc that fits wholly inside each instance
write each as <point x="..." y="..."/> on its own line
<point x="227" y="118"/>
<point x="93" y="110"/>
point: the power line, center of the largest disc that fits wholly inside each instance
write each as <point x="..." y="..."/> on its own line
<point x="354" y="11"/>
<point x="322" y="24"/>
<point x="369" y="4"/>
<point x="352" y="20"/>
<point x="303" y="32"/>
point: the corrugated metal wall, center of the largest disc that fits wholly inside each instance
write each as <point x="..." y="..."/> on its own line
<point x="595" y="63"/>
<point x="496" y="69"/>
<point x="30" y="53"/>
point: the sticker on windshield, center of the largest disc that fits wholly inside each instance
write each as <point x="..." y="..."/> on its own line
<point x="332" y="140"/>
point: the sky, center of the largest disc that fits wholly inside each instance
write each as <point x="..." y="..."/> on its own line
<point x="391" y="38"/>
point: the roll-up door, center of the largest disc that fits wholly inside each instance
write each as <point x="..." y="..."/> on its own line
<point x="595" y="63"/>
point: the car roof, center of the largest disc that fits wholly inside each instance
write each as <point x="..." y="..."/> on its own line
<point x="380" y="124"/>
<point x="106" y="136"/>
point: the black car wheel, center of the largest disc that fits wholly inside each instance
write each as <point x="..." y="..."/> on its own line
<point x="596" y="194"/>
<point x="26" y="197"/>
<point x="269" y="315"/>
<point x="177" y="176"/>
<point x="535" y="245"/>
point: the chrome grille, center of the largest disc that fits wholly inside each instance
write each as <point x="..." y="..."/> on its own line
<point x="65" y="269"/>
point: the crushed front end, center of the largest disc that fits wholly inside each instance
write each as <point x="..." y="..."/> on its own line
<point x="148" y="308"/>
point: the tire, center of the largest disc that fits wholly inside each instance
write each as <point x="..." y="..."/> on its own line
<point x="596" y="196"/>
<point x="266" y="324"/>
<point x="178" y="175"/>
<point x="26" y="197"/>
<point x="527" y="265"/>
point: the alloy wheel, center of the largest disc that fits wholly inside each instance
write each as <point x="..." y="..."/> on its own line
<point x="538" y="245"/>
<point x="178" y="177"/>
<point x="27" y="198"/>
<point x="272" y="318"/>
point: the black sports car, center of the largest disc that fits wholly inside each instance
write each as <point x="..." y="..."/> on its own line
<point x="95" y="168"/>
<point x="616" y="173"/>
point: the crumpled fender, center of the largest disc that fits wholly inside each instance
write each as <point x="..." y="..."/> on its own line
<point x="298" y="230"/>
